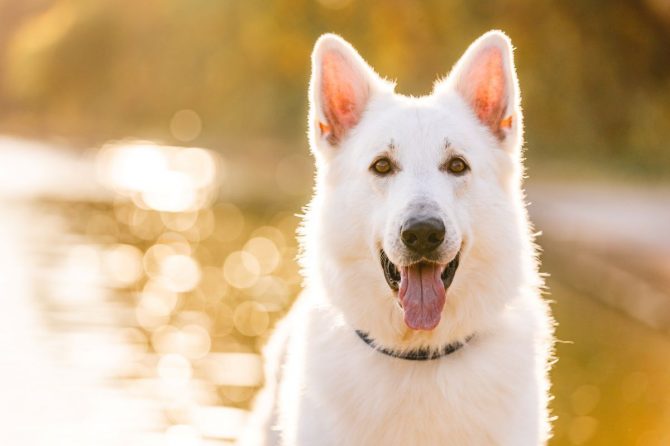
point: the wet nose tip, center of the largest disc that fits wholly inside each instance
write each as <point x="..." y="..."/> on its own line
<point x="422" y="235"/>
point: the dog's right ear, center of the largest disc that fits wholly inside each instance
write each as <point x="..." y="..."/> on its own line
<point x="341" y="87"/>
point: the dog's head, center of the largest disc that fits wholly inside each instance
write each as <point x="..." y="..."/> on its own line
<point x="418" y="220"/>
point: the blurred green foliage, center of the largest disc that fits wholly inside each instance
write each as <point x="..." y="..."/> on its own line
<point x="595" y="74"/>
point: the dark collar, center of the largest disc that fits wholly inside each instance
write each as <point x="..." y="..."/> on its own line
<point x="420" y="354"/>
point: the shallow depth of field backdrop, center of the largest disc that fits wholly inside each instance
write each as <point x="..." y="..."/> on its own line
<point x="153" y="159"/>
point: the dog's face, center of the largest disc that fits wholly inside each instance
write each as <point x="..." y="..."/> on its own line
<point x="418" y="211"/>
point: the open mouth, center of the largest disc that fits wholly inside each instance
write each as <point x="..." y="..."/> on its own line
<point x="422" y="289"/>
<point x="392" y="274"/>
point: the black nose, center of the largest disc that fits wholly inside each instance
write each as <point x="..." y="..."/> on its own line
<point x="422" y="235"/>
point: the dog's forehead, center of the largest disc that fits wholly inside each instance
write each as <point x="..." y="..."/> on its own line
<point x="418" y="130"/>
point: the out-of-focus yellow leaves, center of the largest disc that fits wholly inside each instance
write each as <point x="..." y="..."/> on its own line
<point x="27" y="51"/>
<point x="209" y="71"/>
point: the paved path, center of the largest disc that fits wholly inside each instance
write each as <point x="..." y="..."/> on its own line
<point x="73" y="370"/>
<point x="606" y="215"/>
<point x="57" y="386"/>
<point x="613" y="242"/>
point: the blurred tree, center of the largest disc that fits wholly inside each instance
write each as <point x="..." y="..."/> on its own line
<point x="595" y="74"/>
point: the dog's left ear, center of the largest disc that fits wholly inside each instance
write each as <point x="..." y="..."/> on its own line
<point x="485" y="77"/>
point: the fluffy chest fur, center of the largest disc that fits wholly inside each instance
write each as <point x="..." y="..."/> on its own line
<point x="489" y="392"/>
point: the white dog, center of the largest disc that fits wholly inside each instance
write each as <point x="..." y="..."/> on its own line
<point x="421" y="322"/>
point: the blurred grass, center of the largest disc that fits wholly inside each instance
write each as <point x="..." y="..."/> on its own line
<point x="611" y="384"/>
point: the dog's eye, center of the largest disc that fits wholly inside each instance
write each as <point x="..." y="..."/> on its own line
<point x="457" y="166"/>
<point x="383" y="166"/>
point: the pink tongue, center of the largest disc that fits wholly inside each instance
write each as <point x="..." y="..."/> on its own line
<point x="422" y="295"/>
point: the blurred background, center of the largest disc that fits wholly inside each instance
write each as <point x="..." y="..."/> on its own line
<point x="153" y="159"/>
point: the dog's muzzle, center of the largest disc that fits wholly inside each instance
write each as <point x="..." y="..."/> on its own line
<point x="422" y="288"/>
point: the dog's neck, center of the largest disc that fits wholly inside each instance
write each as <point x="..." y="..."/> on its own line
<point x="419" y="354"/>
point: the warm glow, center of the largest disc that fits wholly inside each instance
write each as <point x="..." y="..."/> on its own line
<point x="186" y="125"/>
<point x="123" y="264"/>
<point x="179" y="273"/>
<point x="220" y="422"/>
<point x="231" y="221"/>
<point x="272" y="291"/>
<point x="241" y="269"/>
<point x="182" y="435"/>
<point x="234" y="369"/>
<point x="155" y="165"/>
<point x="265" y="252"/>
<point x="169" y="179"/>
<point x="251" y="318"/>
<point x="192" y="341"/>
<point x="174" y="369"/>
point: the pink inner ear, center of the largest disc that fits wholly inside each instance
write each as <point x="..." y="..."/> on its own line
<point x="344" y="94"/>
<point x="485" y="88"/>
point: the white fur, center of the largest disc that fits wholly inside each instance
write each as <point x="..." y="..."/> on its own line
<point x="324" y="386"/>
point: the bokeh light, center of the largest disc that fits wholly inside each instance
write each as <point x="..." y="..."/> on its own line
<point x="235" y="369"/>
<point x="174" y="369"/>
<point x="251" y="318"/>
<point x="123" y="264"/>
<point x="265" y="252"/>
<point x="191" y="341"/>
<point x="185" y="125"/>
<point x="241" y="269"/>
<point x="161" y="178"/>
<point x="179" y="272"/>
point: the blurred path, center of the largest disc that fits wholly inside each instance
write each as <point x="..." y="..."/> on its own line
<point x="46" y="399"/>
<point x="30" y="169"/>
<point x="75" y="369"/>
<point x="614" y="241"/>
<point x="56" y="386"/>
